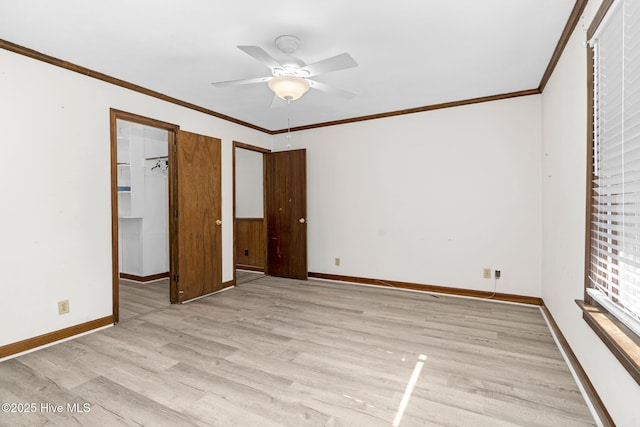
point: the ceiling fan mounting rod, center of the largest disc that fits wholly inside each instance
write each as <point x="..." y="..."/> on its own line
<point x="287" y="44"/>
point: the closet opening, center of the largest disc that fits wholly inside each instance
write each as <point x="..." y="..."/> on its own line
<point x="140" y="212"/>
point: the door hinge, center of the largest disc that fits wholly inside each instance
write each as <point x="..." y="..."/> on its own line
<point x="176" y="278"/>
<point x="175" y="147"/>
<point x="175" y="213"/>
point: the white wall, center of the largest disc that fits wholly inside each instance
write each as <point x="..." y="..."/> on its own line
<point x="564" y="104"/>
<point x="155" y="223"/>
<point x="55" y="224"/>
<point x="249" y="184"/>
<point x="433" y="198"/>
<point x="429" y="198"/>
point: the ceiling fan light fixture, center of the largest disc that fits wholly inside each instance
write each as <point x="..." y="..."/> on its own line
<point x="288" y="88"/>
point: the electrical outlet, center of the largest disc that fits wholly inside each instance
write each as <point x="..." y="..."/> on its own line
<point x="497" y="274"/>
<point x="338" y="262"/>
<point x="63" y="306"/>
<point x="486" y="273"/>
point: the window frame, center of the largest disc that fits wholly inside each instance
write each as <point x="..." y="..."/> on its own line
<point x="619" y="339"/>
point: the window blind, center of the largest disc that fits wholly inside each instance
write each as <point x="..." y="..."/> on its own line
<point x="614" y="277"/>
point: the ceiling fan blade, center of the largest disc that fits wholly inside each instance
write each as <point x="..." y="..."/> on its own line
<point x="261" y="55"/>
<point x="335" y="63"/>
<point x="242" y="82"/>
<point x="330" y="89"/>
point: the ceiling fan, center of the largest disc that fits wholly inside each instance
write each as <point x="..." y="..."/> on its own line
<point x="289" y="78"/>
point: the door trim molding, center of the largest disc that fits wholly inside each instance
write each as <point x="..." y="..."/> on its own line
<point x="114" y="116"/>
<point x="238" y="144"/>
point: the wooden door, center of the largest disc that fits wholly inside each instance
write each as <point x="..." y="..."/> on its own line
<point x="197" y="213"/>
<point x="286" y="213"/>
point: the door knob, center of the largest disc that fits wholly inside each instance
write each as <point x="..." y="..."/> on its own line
<point x="302" y="220"/>
<point x="218" y="222"/>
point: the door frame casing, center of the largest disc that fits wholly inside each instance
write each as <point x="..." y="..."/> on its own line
<point x="172" y="130"/>
<point x="238" y="144"/>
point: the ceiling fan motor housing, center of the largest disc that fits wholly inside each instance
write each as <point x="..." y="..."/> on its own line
<point x="287" y="44"/>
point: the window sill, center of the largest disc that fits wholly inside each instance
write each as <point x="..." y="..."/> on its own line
<point x="621" y="341"/>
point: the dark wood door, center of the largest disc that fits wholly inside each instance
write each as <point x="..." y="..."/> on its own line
<point x="197" y="255"/>
<point x="286" y="211"/>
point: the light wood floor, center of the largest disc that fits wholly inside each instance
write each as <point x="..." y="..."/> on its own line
<point x="283" y="352"/>
<point x="244" y="276"/>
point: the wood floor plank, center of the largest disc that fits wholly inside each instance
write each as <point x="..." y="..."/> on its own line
<point x="247" y="276"/>
<point x="213" y="410"/>
<point x="127" y="405"/>
<point x="347" y="405"/>
<point x="49" y="401"/>
<point x="249" y="399"/>
<point x="279" y="352"/>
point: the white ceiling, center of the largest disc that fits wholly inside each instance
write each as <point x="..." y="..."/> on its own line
<point x="411" y="53"/>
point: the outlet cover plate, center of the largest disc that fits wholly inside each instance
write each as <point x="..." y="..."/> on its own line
<point x="63" y="306"/>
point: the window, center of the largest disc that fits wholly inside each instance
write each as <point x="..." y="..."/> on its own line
<point x="613" y="254"/>
<point x="615" y="216"/>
